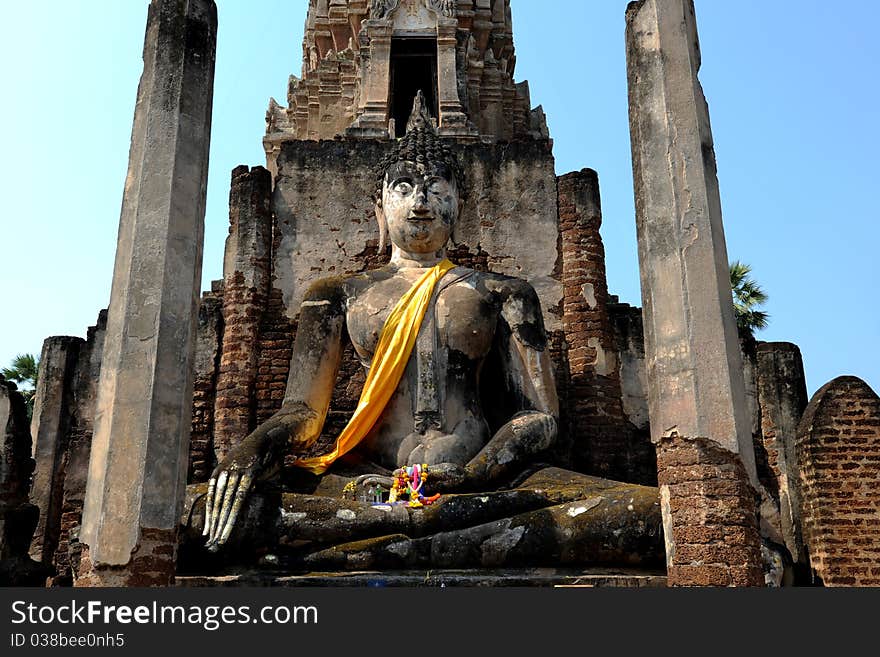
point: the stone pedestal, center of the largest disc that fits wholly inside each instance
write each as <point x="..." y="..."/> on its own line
<point x="143" y="413"/>
<point x="696" y="391"/>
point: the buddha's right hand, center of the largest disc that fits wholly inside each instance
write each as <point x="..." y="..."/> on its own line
<point x="230" y="484"/>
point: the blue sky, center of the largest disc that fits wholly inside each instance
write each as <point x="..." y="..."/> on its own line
<point x="793" y="96"/>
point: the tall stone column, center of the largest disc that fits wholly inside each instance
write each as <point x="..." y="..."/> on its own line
<point x="81" y="409"/>
<point x="143" y="412"/>
<point x="453" y="120"/>
<point x="782" y="397"/>
<point x="246" y="281"/>
<point x="18" y="518"/>
<point x="375" y="84"/>
<point x="49" y="431"/>
<point x="696" y="393"/>
<point x="596" y="410"/>
<point x="491" y="101"/>
<point x="208" y="344"/>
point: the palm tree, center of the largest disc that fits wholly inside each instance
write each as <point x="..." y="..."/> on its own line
<point x="23" y="369"/>
<point x="747" y="297"/>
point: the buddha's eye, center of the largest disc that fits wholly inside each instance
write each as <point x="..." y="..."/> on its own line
<point x="403" y="187"/>
<point x="435" y="186"/>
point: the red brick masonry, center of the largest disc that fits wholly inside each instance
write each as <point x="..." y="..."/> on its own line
<point x="838" y="447"/>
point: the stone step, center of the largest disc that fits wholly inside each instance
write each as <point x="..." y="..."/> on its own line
<point x="538" y="577"/>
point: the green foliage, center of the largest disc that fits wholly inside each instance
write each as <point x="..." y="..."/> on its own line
<point x="23" y="370"/>
<point x="747" y="299"/>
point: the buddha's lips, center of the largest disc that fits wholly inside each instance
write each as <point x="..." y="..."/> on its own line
<point x="417" y="218"/>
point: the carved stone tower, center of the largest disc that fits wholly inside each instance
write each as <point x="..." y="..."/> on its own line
<point x="365" y="60"/>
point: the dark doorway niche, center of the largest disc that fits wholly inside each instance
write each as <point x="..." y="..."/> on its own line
<point x="413" y="67"/>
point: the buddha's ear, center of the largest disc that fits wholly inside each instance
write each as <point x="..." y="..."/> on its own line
<point x="383" y="225"/>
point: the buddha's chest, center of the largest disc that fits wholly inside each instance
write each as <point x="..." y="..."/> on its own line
<point x="462" y="318"/>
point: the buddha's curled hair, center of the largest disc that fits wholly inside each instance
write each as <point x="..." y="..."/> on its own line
<point x="421" y="146"/>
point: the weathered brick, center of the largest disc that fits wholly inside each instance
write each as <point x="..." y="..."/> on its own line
<point x="838" y="448"/>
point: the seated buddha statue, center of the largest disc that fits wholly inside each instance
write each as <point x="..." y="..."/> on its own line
<point x="459" y="401"/>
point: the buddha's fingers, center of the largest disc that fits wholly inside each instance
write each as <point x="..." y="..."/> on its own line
<point x="215" y="503"/>
<point x="244" y="486"/>
<point x="373" y="479"/>
<point x="209" y="506"/>
<point x="228" y="496"/>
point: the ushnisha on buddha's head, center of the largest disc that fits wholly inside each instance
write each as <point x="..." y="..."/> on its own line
<point x="417" y="194"/>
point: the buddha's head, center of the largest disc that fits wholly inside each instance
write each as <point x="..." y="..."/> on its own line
<point x="417" y="193"/>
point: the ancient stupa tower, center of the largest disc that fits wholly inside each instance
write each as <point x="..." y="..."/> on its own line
<point x="364" y="61"/>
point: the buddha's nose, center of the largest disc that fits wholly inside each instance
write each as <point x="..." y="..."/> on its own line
<point x="421" y="200"/>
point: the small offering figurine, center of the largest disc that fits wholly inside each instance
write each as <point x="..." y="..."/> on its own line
<point x="407" y="486"/>
<point x="410" y="481"/>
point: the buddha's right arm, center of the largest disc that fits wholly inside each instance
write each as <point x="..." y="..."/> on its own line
<point x="317" y="351"/>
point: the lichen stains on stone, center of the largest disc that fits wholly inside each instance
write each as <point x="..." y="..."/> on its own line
<point x="292" y="517"/>
<point x="494" y="550"/>
<point x="584" y="506"/>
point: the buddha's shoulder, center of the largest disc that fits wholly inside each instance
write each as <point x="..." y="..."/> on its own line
<point x="507" y="286"/>
<point x="343" y="286"/>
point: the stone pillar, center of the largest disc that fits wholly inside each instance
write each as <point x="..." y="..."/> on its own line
<point x="838" y="451"/>
<point x="246" y="282"/>
<point x="16" y="467"/>
<point x="452" y="120"/>
<point x="596" y="413"/>
<point x="208" y="342"/>
<point x="629" y="338"/>
<point x="769" y="517"/>
<point x="76" y="459"/>
<point x="18" y="518"/>
<point x="143" y="413"/>
<point x="696" y="393"/>
<point x="376" y="71"/>
<point x="782" y="398"/>
<point x="49" y="431"/>
<point x="491" y="110"/>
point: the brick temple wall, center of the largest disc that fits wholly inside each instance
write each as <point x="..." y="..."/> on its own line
<point x="838" y="448"/>
<point x="274" y="346"/>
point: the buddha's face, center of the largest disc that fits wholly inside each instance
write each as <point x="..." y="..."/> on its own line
<point x="420" y="206"/>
